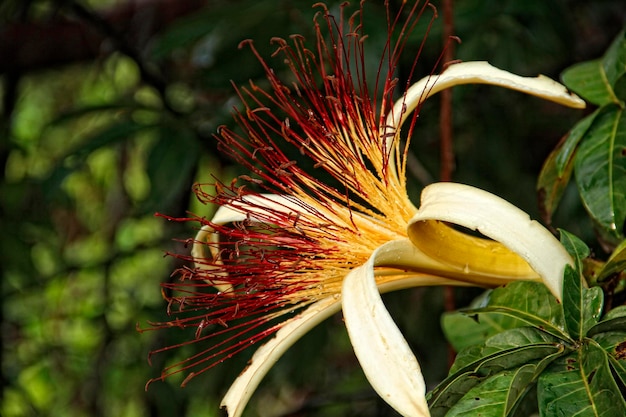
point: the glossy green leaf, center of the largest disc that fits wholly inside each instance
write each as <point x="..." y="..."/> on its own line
<point x="453" y="388"/>
<point x="557" y="169"/>
<point x="596" y="80"/>
<point x="516" y="317"/>
<point x="614" y="321"/>
<point x="583" y="387"/>
<point x="616" y="262"/>
<point x="529" y="297"/>
<point x="510" y="339"/>
<point x="566" y="150"/>
<point x="589" y="80"/>
<point x="619" y="366"/>
<point x="582" y="306"/>
<point x="614" y="60"/>
<point x="552" y="183"/>
<point x="616" y="312"/>
<point x="610" y="325"/>
<point x="463" y="331"/>
<point x="575" y="247"/>
<point x="450" y="391"/>
<point x="510" y="358"/>
<point x="522" y="304"/>
<point x="496" y="396"/>
<point x="600" y="167"/>
<point x="613" y="342"/>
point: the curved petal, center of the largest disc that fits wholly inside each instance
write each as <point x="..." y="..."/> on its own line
<point x="517" y="234"/>
<point x="479" y="72"/>
<point x="476" y="72"/>
<point x="485" y="263"/>
<point x="382" y="351"/>
<point x="266" y="356"/>
<point x="396" y="254"/>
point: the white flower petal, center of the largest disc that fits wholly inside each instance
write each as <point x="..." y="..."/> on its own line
<point x="268" y="354"/>
<point x="495" y="218"/>
<point x="384" y="355"/>
<point x="479" y="72"/>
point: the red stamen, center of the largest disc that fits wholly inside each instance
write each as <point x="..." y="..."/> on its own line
<point x="277" y="261"/>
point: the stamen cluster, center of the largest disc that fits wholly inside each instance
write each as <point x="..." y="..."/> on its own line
<point x="257" y="271"/>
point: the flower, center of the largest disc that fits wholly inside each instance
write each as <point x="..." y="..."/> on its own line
<point x="293" y="242"/>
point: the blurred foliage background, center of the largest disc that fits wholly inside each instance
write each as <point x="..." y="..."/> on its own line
<point x="107" y="112"/>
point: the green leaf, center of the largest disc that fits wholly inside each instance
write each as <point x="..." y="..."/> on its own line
<point x="558" y="167"/>
<point x="566" y="151"/>
<point x="613" y="342"/>
<point x="463" y="331"/>
<point x="522" y="304"/>
<point x="611" y="325"/>
<point x="600" y="167"/>
<point x="614" y="60"/>
<point x="616" y="312"/>
<point x="496" y="396"/>
<point x="551" y="184"/>
<point x="611" y="322"/>
<point x="589" y="80"/>
<point x="610" y="334"/>
<point x="529" y="297"/>
<point x="583" y="386"/>
<point x="616" y="262"/>
<point x="510" y="339"/>
<point x="582" y="306"/>
<point x="596" y="80"/>
<point x="453" y="388"/>
<point x="619" y="365"/>
<point x="520" y="318"/>
<point x="575" y="247"/>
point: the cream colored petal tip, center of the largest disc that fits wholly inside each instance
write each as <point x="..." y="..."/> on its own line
<point x="499" y="220"/>
<point x="384" y="355"/>
<point x="479" y="72"/>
